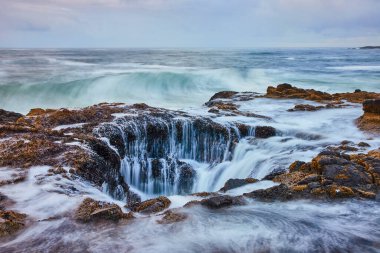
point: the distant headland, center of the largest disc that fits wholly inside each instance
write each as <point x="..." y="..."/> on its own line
<point x="370" y="47"/>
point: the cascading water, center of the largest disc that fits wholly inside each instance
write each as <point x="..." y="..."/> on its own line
<point x="158" y="153"/>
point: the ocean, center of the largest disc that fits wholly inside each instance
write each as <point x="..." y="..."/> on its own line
<point x="173" y="78"/>
<point x="185" y="80"/>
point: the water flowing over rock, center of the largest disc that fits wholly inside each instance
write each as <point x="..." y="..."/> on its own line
<point x="151" y="144"/>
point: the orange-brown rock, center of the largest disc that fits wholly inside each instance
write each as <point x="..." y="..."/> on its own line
<point x="151" y="205"/>
<point x="11" y="222"/>
<point x="171" y="216"/>
<point x="370" y="120"/>
<point x="92" y="210"/>
<point x="330" y="175"/>
<point x="288" y="91"/>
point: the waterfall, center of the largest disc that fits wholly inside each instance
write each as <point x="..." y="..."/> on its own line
<point x="155" y="150"/>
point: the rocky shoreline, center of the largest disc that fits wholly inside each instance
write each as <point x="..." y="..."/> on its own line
<point x="94" y="143"/>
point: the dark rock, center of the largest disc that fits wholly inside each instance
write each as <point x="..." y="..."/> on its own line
<point x="222" y="201"/>
<point x="372" y="106"/>
<point x="305" y="107"/>
<point x="7" y="116"/>
<point x="280" y="192"/>
<point x="363" y="144"/>
<point x="187" y="176"/>
<point x="235" y="183"/>
<point x="265" y="131"/>
<point x="223" y="95"/>
<point x="274" y="173"/>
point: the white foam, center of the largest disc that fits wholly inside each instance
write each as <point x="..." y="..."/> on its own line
<point x="357" y="68"/>
<point x="61" y="127"/>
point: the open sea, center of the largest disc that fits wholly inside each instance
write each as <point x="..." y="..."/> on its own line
<point x="172" y="78"/>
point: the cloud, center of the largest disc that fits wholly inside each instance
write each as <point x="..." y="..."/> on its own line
<point x="208" y="23"/>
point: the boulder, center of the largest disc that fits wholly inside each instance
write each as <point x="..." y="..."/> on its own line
<point x="7" y="116"/>
<point x="171" y="216"/>
<point x="222" y="201"/>
<point x="280" y="193"/>
<point x="151" y="205"/>
<point x="235" y="183"/>
<point x="223" y="95"/>
<point x="92" y="210"/>
<point x="264" y="131"/>
<point x="329" y="175"/>
<point x="11" y="222"/>
<point x="372" y="106"/>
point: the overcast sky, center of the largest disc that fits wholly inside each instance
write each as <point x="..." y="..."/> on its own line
<point x="189" y="23"/>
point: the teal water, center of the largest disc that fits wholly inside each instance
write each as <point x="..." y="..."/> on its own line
<point x="173" y="78"/>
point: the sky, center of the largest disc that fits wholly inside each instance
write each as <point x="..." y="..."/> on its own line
<point x="188" y="23"/>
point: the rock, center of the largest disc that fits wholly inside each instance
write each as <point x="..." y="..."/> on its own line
<point x="329" y="175"/>
<point x="290" y="92"/>
<point x="235" y="183"/>
<point x="203" y="194"/>
<point x="372" y="106"/>
<point x="264" y="131"/>
<point x="92" y="210"/>
<point x="305" y="107"/>
<point x="172" y="217"/>
<point x="11" y="222"/>
<point x="7" y="116"/>
<point x="280" y="192"/>
<point x="296" y="166"/>
<point x="363" y="144"/>
<point x="274" y="173"/>
<point x="222" y="201"/>
<point x="186" y="178"/>
<point x="223" y="95"/>
<point x="152" y="205"/>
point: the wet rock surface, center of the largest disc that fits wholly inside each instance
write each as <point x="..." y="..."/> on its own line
<point x="235" y="183"/>
<point x="265" y="132"/>
<point x="103" y="142"/>
<point x="171" y="216"/>
<point x="7" y="116"/>
<point x="151" y="205"/>
<point x="370" y="120"/>
<point x="222" y="201"/>
<point x="330" y="175"/>
<point x="11" y="222"/>
<point x="91" y="210"/>
<point x="286" y="90"/>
